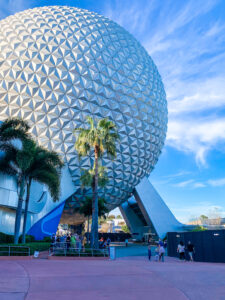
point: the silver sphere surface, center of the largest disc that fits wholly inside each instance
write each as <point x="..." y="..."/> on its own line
<point x="59" y="65"/>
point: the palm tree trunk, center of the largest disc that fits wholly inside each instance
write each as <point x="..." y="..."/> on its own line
<point x="88" y="230"/>
<point x="19" y="211"/>
<point x="94" y="227"/>
<point x="25" y="212"/>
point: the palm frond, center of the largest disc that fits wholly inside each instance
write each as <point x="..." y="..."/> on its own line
<point x="12" y="129"/>
<point x="52" y="181"/>
<point x="86" y="177"/>
<point x="6" y="167"/>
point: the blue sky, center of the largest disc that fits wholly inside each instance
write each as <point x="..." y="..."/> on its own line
<point x="186" y="39"/>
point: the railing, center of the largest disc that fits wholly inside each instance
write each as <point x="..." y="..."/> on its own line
<point x="68" y="249"/>
<point x="14" y="251"/>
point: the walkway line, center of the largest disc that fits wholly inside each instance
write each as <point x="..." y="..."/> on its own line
<point x="28" y="277"/>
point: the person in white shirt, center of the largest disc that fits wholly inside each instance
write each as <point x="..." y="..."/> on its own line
<point x="161" y="253"/>
<point x="181" y="250"/>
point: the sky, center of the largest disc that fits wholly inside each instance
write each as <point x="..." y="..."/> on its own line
<point x="186" y="40"/>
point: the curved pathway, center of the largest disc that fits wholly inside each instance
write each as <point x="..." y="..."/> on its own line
<point x="125" y="278"/>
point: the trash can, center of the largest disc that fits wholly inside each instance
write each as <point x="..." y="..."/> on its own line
<point x="112" y="253"/>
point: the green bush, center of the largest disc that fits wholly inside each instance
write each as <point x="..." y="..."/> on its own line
<point x="199" y="228"/>
<point x="9" y="239"/>
<point x="35" y="246"/>
<point x="29" y="238"/>
<point x="6" y="238"/>
<point x="13" y="251"/>
<point x="47" y="239"/>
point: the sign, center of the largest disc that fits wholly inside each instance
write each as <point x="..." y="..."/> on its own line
<point x="36" y="254"/>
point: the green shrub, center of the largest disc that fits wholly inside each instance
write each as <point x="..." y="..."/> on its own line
<point x="37" y="246"/>
<point x="47" y="239"/>
<point x="29" y="238"/>
<point x="199" y="228"/>
<point x="6" y="238"/>
<point x="9" y="239"/>
<point x="13" y="251"/>
<point x="34" y="246"/>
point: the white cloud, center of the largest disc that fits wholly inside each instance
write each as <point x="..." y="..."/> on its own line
<point x="192" y="183"/>
<point x="199" y="185"/>
<point x="130" y="14"/>
<point x="198" y="96"/>
<point x="184" y="183"/>
<point x="217" y="182"/>
<point x="196" y="135"/>
<point x="178" y="174"/>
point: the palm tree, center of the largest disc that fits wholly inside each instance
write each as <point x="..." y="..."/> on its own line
<point x="15" y="162"/>
<point x="45" y="168"/>
<point x="101" y="138"/>
<point x="26" y="161"/>
<point x="11" y="130"/>
<point x="86" y="210"/>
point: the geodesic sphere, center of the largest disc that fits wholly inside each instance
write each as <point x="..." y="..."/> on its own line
<point x="59" y="65"/>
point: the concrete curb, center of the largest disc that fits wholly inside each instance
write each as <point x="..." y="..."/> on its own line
<point x="76" y="258"/>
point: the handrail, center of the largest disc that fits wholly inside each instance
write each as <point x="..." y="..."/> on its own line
<point x="68" y="249"/>
<point x="10" y="251"/>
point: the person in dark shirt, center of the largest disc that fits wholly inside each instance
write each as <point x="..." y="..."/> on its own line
<point x="149" y="252"/>
<point x="68" y="240"/>
<point x="190" y="248"/>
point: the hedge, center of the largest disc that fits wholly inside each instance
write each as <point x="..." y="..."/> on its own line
<point x="8" y="239"/>
<point x="35" y="246"/>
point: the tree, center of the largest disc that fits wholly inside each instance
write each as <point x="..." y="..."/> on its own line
<point x="86" y="210"/>
<point x="119" y="217"/>
<point x="27" y="161"/>
<point x="45" y="168"/>
<point x="203" y="217"/>
<point x="15" y="130"/>
<point x="125" y="229"/>
<point x="100" y="138"/>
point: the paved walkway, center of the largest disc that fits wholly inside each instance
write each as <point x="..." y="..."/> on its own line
<point x="124" y="279"/>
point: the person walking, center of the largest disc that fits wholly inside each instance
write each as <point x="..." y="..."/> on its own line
<point x="181" y="250"/>
<point x="165" y="244"/>
<point x="190" y="249"/>
<point x="108" y="241"/>
<point x="161" y="253"/>
<point x="160" y="242"/>
<point x="84" y="240"/>
<point x="149" y="252"/>
<point x="73" y="241"/>
<point x="68" y="240"/>
<point x="79" y="243"/>
<point x="157" y="253"/>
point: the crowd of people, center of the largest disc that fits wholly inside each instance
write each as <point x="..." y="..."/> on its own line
<point x="181" y="250"/>
<point x="190" y="250"/>
<point x="70" y="240"/>
<point x="104" y="243"/>
<point x="75" y="241"/>
<point x="159" y="251"/>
